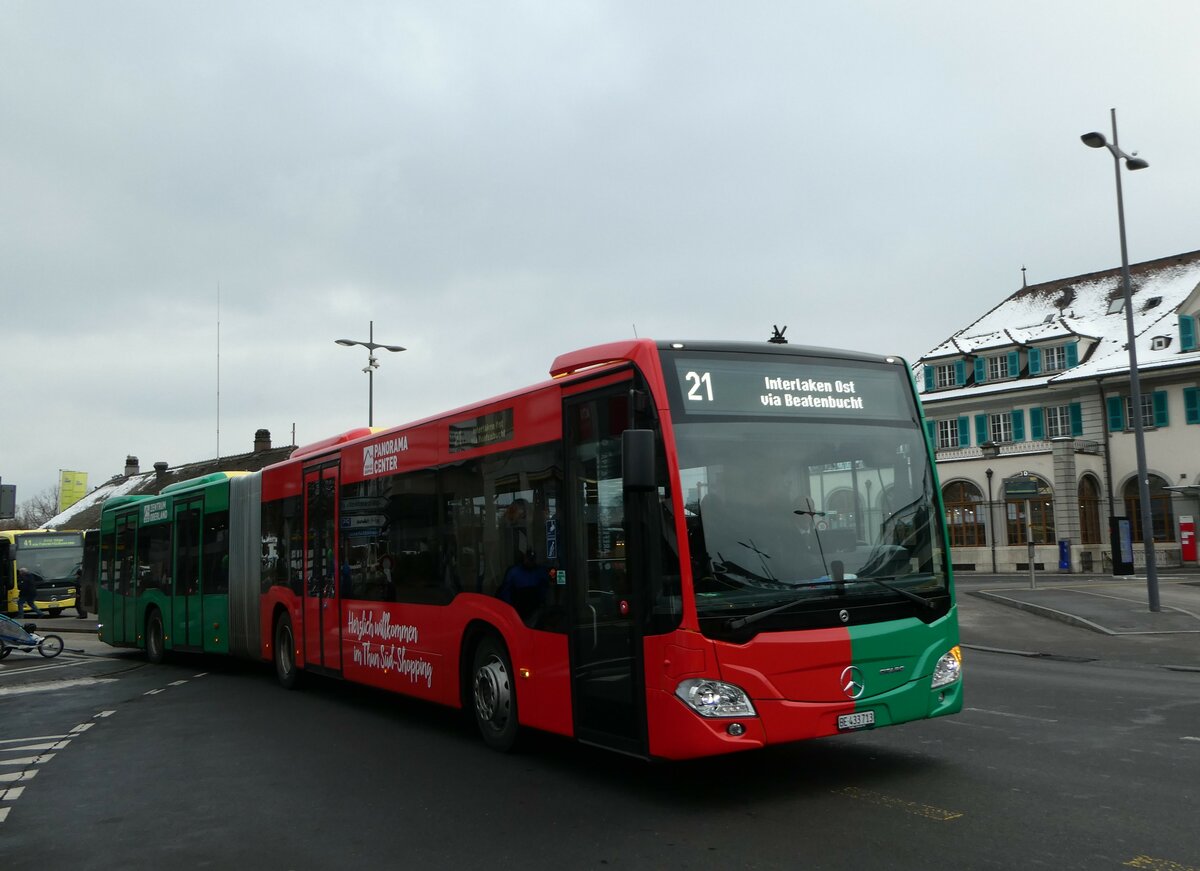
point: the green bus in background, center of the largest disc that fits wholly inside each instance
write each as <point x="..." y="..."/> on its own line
<point x="164" y="568"/>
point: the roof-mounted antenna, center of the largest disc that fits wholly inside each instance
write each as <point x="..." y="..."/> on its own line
<point x="1024" y="283"/>
<point x="777" y="337"/>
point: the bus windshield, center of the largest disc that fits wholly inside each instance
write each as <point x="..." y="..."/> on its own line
<point x="800" y="509"/>
<point x="53" y="557"/>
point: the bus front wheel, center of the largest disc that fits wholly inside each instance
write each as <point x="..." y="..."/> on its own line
<point x="494" y="695"/>
<point x="285" y="653"/>
<point x="156" y="650"/>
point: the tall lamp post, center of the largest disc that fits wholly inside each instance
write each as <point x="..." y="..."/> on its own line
<point x="1097" y="140"/>
<point x="372" y="365"/>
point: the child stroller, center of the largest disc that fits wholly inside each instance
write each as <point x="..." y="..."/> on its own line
<point x="15" y="636"/>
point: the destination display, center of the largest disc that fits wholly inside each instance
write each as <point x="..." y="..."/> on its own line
<point x="795" y="387"/>
<point x="32" y="542"/>
<point x="487" y="429"/>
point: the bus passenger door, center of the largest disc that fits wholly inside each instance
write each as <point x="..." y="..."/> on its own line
<point x="122" y="615"/>
<point x="322" y="604"/>
<point x="608" y="687"/>
<point x="187" y="629"/>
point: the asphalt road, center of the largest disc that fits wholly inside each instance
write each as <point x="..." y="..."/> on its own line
<point x="1055" y="763"/>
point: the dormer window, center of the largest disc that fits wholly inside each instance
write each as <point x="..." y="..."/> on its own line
<point x="1152" y="302"/>
<point x="1160" y="343"/>
<point x="944" y="376"/>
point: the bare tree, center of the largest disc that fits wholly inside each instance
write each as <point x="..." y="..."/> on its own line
<point x="36" y="510"/>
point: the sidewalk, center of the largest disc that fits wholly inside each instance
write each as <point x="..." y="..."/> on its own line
<point x="1085" y="616"/>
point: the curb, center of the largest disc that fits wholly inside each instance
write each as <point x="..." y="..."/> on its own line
<point x="1043" y="611"/>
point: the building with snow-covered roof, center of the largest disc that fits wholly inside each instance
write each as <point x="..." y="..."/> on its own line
<point x="1038" y="388"/>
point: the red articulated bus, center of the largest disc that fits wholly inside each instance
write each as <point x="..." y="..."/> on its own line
<point x="672" y="550"/>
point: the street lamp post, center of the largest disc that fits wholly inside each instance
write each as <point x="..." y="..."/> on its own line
<point x="1132" y="162"/>
<point x="372" y="365"/>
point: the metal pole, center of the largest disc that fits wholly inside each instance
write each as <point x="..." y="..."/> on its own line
<point x="1135" y="391"/>
<point x="1029" y="544"/>
<point x="991" y="520"/>
<point x="371" y="376"/>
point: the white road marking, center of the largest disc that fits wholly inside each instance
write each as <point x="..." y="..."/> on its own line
<point x="18" y="776"/>
<point x="55" y="685"/>
<point x="28" y="760"/>
<point x="1013" y="716"/>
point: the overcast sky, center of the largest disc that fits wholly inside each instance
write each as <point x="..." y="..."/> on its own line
<point x="495" y="183"/>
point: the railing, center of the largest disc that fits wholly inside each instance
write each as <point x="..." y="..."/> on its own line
<point x="1040" y="446"/>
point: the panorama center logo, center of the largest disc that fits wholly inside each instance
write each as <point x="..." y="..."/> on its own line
<point x="383" y="456"/>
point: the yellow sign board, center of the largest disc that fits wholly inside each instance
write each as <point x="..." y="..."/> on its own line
<point x="72" y="486"/>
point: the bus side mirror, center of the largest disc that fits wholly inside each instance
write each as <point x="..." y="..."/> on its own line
<point x="637" y="460"/>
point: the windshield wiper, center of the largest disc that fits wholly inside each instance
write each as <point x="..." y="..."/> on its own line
<point x="739" y="622"/>
<point x="908" y="594"/>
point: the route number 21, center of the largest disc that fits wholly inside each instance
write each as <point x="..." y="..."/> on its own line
<point x="701" y="386"/>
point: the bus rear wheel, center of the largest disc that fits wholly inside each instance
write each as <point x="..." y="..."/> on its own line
<point x="494" y="695"/>
<point x="156" y="650"/>
<point x="285" y="653"/>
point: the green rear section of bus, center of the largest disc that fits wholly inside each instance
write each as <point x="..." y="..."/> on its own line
<point x="166" y="557"/>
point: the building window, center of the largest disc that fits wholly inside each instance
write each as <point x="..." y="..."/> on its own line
<point x="997" y="367"/>
<point x="1054" y="359"/>
<point x="1058" y="421"/>
<point x="964" y="514"/>
<point x="1162" y="517"/>
<point x="1040" y="520"/>
<point x="1147" y="411"/>
<point x="1089" y="511"/>
<point x="1000" y="427"/>
<point x="947" y="433"/>
<point x="944" y="376"/>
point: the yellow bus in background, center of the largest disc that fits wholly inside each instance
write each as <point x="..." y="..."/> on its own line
<point x="56" y="557"/>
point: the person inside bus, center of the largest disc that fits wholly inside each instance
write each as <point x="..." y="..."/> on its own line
<point x="525" y="586"/>
<point x="27" y="587"/>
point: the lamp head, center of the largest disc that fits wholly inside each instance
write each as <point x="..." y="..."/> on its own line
<point x="391" y="347"/>
<point x="1094" y="140"/>
<point x="347" y="342"/>
<point x="1135" y="163"/>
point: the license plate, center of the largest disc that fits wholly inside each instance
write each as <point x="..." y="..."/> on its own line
<point x="859" y="720"/>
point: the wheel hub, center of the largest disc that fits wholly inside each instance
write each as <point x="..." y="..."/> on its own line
<point x="493" y="698"/>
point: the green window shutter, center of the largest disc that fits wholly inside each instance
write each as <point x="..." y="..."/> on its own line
<point x="980" y="370"/>
<point x="1191" y="404"/>
<point x="1116" y="413"/>
<point x="1072" y="354"/>
<point x="1035" y="361"/>
<point x="981" y="429"/>
<point x="1160" y="408"/>
<point x="1187" y="333"/>
<point x="931" y="431"/>
<point x="1037" y="430"/>
<point x="960" y="372"/>
<point x="928" y="378"/>
<point x="1076" y="419"/>
<point x="1018" y="426"/>
<point x="1014" y="364"/>
<point x="964" y="432"/>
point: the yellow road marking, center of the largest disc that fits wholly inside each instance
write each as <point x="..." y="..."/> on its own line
<point x="910" y="807"/>
<point x="1157" y="864"/>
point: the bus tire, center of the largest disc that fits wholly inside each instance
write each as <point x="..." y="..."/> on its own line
<point x="286" y="671"/>
<point x="156" y="650"/>
<point x="493" y="694"/>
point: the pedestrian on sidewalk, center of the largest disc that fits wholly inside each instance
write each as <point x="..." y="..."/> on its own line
<point x="27" y="587"/>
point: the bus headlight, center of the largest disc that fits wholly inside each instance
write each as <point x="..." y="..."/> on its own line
<point x="714" y="698"/>
<point x="948" y="668"/>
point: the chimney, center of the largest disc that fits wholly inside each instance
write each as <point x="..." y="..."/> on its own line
<point x="131" y="465"/>
<point x="160" y="471"/>
<point x="262" y="440"/>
